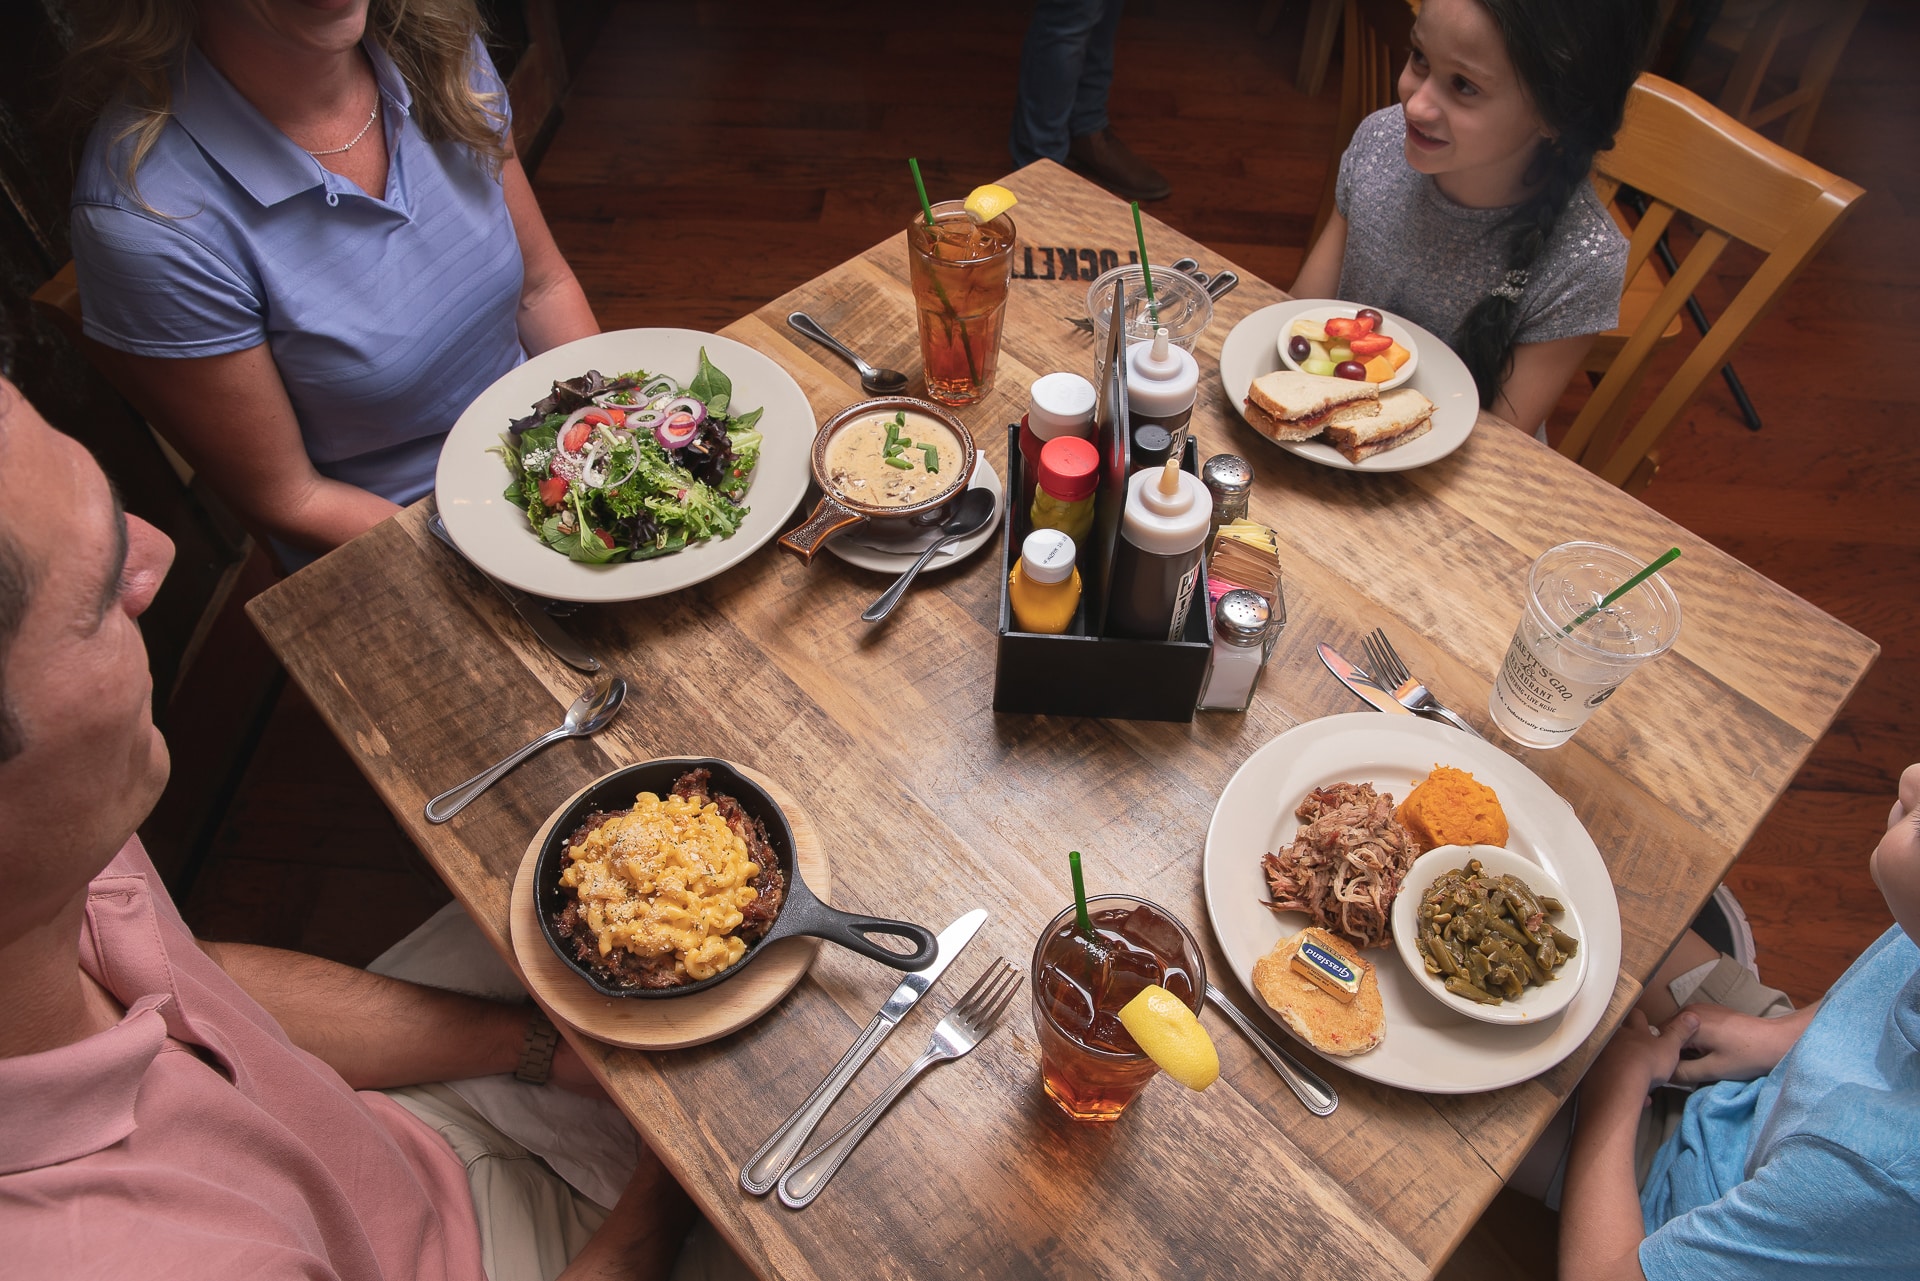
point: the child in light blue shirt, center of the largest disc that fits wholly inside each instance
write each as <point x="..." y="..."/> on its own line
<point x="1803" y="1154"/>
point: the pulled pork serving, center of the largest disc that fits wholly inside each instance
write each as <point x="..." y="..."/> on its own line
<point x="624" y="968"/>
<point x="1345" y="864"/>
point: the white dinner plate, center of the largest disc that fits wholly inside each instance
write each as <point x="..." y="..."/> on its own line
<point x="861" y="547"/>
<point x="1427" y="1046"/>
<point x="493" y="532"/>
<point x="1253" y="348"/>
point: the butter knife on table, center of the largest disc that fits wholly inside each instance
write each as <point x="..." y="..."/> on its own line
<point x="765" y="1167"/>
<point x="551" y="634"/>
<point x="1357" y="680"/>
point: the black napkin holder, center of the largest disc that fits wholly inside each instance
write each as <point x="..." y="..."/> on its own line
<point x="1103" y="676"/>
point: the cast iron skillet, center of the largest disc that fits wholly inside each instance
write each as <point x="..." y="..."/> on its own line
<point x="802" y="913"/>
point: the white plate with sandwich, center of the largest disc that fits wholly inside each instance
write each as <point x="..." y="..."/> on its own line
<point x="1252" y="350"/>
<point x="1425" y="1044"/>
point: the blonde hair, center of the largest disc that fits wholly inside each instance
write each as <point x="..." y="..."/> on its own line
<point x="124" y="50"/>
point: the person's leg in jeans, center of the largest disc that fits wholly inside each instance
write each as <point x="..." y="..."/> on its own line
<point x="1052" y="62"/>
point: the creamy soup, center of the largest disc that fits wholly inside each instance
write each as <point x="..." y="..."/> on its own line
<point x="893" y="460"/>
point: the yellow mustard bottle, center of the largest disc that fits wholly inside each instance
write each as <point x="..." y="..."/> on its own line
<point x="1044" y="588"/>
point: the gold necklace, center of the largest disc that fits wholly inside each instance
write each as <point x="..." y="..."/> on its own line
<point x="335" y="151"/>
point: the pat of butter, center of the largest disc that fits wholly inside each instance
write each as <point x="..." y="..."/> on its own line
<point x="1327" y="970"/>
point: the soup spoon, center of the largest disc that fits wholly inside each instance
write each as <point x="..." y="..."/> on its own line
<point x="975" y="510"/>
<point x="588" y="715"/>
<point x="875" y="382"/>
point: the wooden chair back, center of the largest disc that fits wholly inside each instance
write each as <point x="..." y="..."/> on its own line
<point x="1377" y="36"/>
<point x="1689" y="158"/>
<point x="1755" y="31"/>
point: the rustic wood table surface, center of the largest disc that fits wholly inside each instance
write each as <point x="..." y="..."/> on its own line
<point x="931" y="804"/>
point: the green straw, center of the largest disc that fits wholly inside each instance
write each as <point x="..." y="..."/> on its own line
<point x="1146" y="272"/>
<point x="913" y="163"/>
<point x="1667" y="558"/>
<point x="1080" y="916"/>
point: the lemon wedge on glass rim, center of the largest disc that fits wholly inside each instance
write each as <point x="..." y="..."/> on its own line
<point x="988" y="201"/>
<point x="1170" y="1034"/>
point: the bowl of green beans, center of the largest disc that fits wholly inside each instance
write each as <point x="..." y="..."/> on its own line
<point x="1488" y="933"/>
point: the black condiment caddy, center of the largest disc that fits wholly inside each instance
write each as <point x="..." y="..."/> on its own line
<point x="1082" y="673"/>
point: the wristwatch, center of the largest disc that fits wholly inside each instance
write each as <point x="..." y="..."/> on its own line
<point x="536" y="1055"/>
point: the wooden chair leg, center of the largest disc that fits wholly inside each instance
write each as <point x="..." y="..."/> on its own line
<point x="1316" y="50"/>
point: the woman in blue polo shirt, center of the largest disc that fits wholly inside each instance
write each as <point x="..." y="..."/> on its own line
<point x="305" y="236"/>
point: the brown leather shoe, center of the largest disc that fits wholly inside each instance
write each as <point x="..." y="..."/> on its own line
<point x="1111" y="163"/>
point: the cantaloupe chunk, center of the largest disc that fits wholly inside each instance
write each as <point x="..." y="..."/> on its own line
<point x="1398" y="355"/>
<point x="1379" y="369"/>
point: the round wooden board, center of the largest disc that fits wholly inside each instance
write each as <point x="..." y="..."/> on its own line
<point x="674" y="1024"/>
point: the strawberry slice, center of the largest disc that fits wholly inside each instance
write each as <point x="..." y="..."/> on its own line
<point x="1343" y="327"/>
<point x="575" y="436"/>
<point x="1366" y="345"/>
<point x="553" y="490"/>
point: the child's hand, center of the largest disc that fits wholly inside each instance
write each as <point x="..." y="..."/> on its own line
<point x="1735" y="1046"/>
<point x="1640" y="1057"/>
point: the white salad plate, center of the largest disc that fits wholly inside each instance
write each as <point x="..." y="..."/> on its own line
<point x="861" y="547"/>
<point x="1392" y="326"/>
<point x="492" y="531"/>
<point x="1253" y="348"/>
<point x="1427" y="1046"/>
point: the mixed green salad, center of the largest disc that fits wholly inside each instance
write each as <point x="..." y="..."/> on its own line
<point x="633" y="467"/>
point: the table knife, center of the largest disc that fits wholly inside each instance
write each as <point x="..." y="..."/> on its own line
<point x="1357" y="680"/>
<point x="765" y="1167"/>
<point x="551" y="634"/>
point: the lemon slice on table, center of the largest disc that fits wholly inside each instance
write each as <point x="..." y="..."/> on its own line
<point x="1170" y="1034"/>
<point x="989" y="200"/>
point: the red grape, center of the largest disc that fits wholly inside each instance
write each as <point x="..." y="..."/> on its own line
<point x="1368" y="313"/>
<point x="1351" y="369"/>
<point x="1298" y="348"/>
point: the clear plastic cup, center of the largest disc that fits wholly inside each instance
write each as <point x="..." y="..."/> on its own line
<point x="1181" y="301"/>
<point x="1551" y="680"/>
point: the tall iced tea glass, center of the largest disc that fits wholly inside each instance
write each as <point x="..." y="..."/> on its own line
<point x="959" y="270"/>
<point x="1089" y="1064"/>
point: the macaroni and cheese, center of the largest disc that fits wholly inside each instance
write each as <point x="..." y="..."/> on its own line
<point x="670" y="878"/>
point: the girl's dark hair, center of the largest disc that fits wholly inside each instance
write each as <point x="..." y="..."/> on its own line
<point x="1577" y="59"/>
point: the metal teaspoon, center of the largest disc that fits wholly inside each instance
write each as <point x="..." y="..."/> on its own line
<point x="588" y="715"/>
<point x="875" y="382"/>
<point x="975" y="510"/>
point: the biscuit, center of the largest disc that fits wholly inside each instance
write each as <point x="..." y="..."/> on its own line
<point x="1310" y="1012"/>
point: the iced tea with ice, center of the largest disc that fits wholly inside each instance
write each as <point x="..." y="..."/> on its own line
<point x="1089" y="1063"/>
<point x="959" y="269"/>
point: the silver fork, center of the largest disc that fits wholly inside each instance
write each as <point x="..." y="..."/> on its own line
<point x="967" y="1024"/>
<point x="1412" y="695"/>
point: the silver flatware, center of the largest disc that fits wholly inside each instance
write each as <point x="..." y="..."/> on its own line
<point x="765" y="1167"/>
<point x="1357" y="680"/>
<point x="1222" y="285"/>
<point x="532" y="610"/>
<point x="588" y="715"/>
<point x="1409" y="692"/>
<point x="1316" y="1094"/>
<point x="967" y="1024"/>
<point x="875" y="382"/>
<point x="974" y="512"/>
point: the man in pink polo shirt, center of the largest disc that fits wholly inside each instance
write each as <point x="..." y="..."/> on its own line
<point x="176" y="1109"/>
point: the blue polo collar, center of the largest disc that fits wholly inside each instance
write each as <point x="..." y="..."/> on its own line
<point x="256" y="155"/>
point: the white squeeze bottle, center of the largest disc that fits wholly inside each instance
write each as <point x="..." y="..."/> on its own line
<point x="1162" y="381"/>
<point x="1156" y="564"/>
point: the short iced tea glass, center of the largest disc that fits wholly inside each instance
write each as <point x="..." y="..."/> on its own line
<point x="1089" y="1064"/>
<point x="959" y="269"/>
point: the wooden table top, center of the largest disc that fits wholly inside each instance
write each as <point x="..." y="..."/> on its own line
<point x="931" y="805"/>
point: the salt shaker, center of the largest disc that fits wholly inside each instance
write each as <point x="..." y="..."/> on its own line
<point x="1240" y="623"/>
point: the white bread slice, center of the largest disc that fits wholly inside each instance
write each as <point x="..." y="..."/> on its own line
<point x="1286" y="395"/>
<point x="1404" y="415"/>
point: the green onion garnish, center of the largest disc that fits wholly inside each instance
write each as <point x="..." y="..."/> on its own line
<point x="932" y="453"/>
<point x="901" y="463"/>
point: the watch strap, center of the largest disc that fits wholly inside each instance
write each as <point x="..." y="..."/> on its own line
<point x="536" y="1052"/>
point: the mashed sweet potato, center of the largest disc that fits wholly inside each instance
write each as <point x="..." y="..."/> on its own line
<point x="1449" y="808"/>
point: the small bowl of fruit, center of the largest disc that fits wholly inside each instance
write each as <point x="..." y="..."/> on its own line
<point x="1343" y="340"/>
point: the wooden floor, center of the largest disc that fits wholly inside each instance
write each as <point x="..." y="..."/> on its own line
<point x="716" y="154"/>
